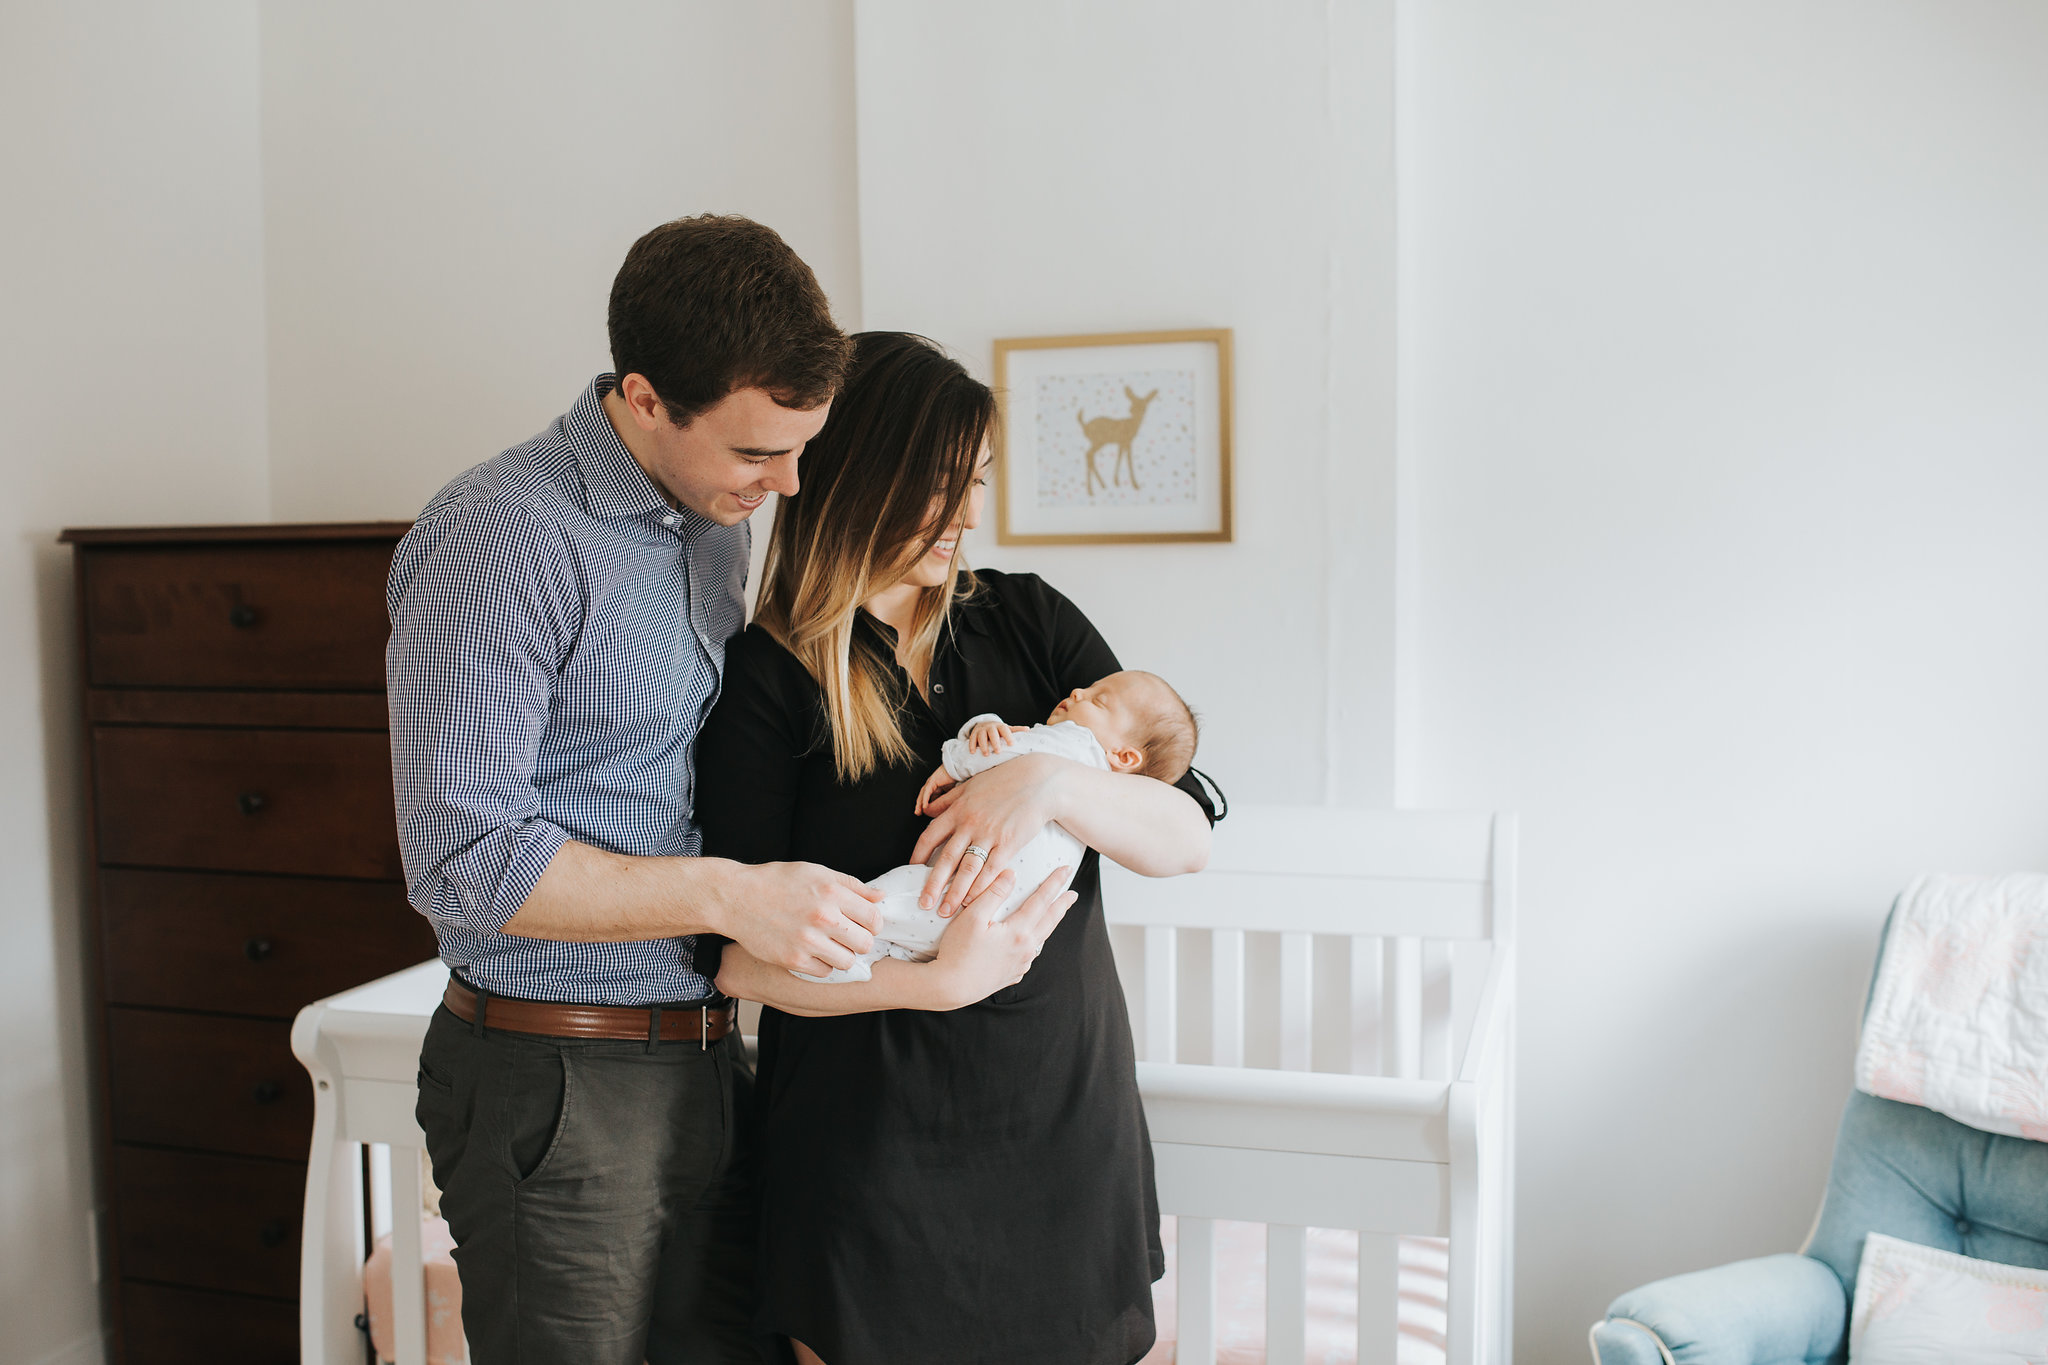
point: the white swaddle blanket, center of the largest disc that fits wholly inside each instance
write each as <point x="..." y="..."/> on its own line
<point x="1958" y="1020"/>
<point x="910" y="932"/>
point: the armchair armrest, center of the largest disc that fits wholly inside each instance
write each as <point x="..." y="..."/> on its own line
<point x="1775" y="1310"/>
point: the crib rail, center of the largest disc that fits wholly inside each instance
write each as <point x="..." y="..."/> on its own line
<point x="1387" y="939"/>
<point x="362" y="1050"/>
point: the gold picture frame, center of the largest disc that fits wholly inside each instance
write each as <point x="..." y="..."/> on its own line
<point x="1050" y="489"/>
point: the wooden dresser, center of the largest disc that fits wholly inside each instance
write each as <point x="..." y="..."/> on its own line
<point x="244" y="864"/>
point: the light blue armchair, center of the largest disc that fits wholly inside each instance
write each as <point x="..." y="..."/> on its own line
<point x="1899" y="1169"/>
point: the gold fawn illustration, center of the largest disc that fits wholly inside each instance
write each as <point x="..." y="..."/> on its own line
<point x="1115" y="431"/>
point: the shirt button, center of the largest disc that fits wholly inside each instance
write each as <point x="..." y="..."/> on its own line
<point x="668" y="521"/>
<point x="938" y="689"/>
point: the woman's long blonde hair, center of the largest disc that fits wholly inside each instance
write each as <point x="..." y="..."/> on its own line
<point x="882" y="482"/>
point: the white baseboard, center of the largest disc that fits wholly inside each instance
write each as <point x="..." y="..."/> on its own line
<point x="90" y="1349"/>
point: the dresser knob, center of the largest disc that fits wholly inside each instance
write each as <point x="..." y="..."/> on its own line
<point x="243" y="616"/>
<point x="258" y="949"/>
<point x="275" y="1231"/>
<point x="267" y="1092"/>
<point x="251" y="802"/>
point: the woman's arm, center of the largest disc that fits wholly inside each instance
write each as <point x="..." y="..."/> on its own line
<point x="1149" y="827"/>
<point x="1144" y="824"/>
<point x="977" y="957"/>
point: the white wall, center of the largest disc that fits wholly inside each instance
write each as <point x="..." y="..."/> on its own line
<point x="449" y="189"/>
<point x="1728" y="327"/>
<point x="1076" y="167"/>
<point x="131" y="382"/>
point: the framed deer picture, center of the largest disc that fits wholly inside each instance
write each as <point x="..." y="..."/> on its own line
<point x="1116" y="438"/>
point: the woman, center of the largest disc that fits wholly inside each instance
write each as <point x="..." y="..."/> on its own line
<point x="955" y="1166"/>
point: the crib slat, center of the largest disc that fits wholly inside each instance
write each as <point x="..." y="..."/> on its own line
<point x="380" y="1189"/>
<point x="1195" y="1288"/>
<point x="1286" y="1295"/>
<point x="1379" y="1297"/>
<point x="1226" y="998"/>
<point x="1436" y="1009"/>
<point x="1366" y="991"/>
<point x="1162" y="1011"/>
<point x="408" y="1271"/>
<point x="1297" y="1000"/>
<point x="1404" y="1007"/>
<point x="1468" y="975"/>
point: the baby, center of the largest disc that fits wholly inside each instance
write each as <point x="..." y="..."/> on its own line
<point x="1130" y="722"/>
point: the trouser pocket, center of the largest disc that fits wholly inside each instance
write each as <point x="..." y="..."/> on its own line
<point x="540" y="1092"/>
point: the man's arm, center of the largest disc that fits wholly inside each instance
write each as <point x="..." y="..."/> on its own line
<point x="796" y="915"/>
<point x="485" y="604"/>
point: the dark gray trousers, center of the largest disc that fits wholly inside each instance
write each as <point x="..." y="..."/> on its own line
<point x="600" y="1194"/>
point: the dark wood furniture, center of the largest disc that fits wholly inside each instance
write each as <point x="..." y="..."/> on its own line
<point x="244" y="864"/>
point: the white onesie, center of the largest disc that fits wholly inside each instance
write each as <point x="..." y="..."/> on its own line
<point x="910" y="932"/>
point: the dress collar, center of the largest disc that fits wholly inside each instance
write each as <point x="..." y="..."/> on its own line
<point x="970" y="615"/>
<point x="618" y="487"/>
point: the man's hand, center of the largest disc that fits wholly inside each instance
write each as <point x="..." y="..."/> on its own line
<point x="999" y="812"/>
<point x="990" y="736"/>
<point x="978" y="956"/>
<point x="937" y="784"/>
<point x="802" y="916"/>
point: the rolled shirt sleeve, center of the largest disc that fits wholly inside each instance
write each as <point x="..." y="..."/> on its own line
<point x="485" y="607"/>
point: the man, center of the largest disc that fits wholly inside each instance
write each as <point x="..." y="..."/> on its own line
<point x="559" y="617"/>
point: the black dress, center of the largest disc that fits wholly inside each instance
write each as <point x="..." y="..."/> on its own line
<point x="940" y="1188"/>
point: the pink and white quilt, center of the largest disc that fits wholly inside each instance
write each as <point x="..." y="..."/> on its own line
<point x="1958" y="1021"/>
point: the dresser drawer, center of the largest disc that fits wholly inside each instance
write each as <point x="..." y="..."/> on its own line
<point x="311" y="802"/>
<point x="211" y="1222"/>
<point x="165" y="1326"/>
<point x="309" y="616"/>
<point x="250" y="945"/>
<point x="197" y="1080"/>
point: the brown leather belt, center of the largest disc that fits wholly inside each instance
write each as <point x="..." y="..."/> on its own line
<point x="702" y="1025"/>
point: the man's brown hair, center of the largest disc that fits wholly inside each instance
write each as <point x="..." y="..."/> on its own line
<point x="704" y="306"/>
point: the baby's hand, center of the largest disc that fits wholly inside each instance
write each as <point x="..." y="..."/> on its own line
<point x="937" y="784"/>
<point x="990" y="736"/>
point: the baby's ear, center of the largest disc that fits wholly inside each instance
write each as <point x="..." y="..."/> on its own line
<point x="1125" y="759"/>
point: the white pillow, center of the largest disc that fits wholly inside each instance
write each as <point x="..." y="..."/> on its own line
<point x="1918" y="1306"/>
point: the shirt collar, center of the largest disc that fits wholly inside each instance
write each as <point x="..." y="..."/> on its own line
<point x="618" y="487"/>
<point x="971" y="613"/>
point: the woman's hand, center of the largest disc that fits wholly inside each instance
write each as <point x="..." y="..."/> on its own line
<point x="997" y="812"/>
<point x="1147" y="826"/>
<point x="978" y="956"/>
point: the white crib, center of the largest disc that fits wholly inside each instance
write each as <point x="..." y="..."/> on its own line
<point x="1413" y="914"/>
<point x="1405" y="918"/>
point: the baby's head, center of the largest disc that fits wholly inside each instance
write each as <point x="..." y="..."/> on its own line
<point x="1141" y="723"/>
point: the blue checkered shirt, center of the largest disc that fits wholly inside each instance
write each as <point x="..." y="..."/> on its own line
<point x="558" y="631"/>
